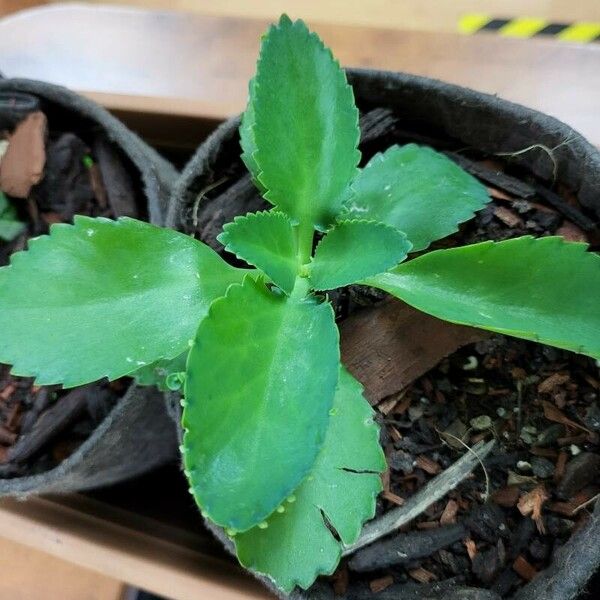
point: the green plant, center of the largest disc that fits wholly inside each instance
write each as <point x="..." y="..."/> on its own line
<point x="10" y="226"/>
<point x="280" y="447"/>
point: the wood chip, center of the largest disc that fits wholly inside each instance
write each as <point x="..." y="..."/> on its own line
<point x="428" y="465"/>
<point x="524" y="569"/>
<point x="508" y="217"/>
<point x="393" y="498"/>
<point x="572" y="233"/>
<point x="497" y="194"/>
<point x="507" y="496"/>
<point x="531" y="505"/>
<point x="450" y="511"/>
<point x="561" y="463"/>
<point x="378" y="585"/>
<point x="6" y="393"/>
<point x="554" y="414"/>
<point x="422" y="575"/>
<point x="340" y="581"/>
<point x="471" y="547"/>
<point x="551" y="383"/>
<point x="387" y="347"/>
<point x="387" y="405"/>
<point x="22" y="165"/>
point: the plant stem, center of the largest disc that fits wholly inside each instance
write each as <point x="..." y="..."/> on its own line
<point x="305" y="242"/>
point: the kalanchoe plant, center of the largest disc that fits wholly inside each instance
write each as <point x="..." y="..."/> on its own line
<point x="280" y="448"/>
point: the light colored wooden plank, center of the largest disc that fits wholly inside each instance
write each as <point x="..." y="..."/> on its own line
<point x="191" y="64"/>
<point x="27" y="574"/>
<point x="400" y="14"/>
<point x="128" y="548"/>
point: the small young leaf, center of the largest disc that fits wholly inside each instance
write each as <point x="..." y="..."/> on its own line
<point x="159" y="372"/>
<point x="10" y="226"/>
<point x="543" y="289"/>
<point x="353" y="250"/>
<point x="103" y="298"/>
<point x="297" y="545"/>
<point x="417" y="190"/>
<point x="305" y="125"/>
<point x="260" y="382"/>
<point x="267" y="241"/>
<point x="247" y="140"/>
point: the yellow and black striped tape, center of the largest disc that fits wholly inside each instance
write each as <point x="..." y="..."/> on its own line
<point x="582" y="32"/>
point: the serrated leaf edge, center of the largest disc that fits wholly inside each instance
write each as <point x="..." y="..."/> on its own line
<point x="369" y="512"/>
<point x="463" y="216"/>
<point x="287" y="22"/>
<point x="343" y="222"/>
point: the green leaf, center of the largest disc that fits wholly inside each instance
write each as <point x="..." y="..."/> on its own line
<point x="417" y="190"/>
<point x="297" y="545"/>
<point x="247" y="140"/>
<point x="267" y="241"/>
<point x="159" y="372"/>
<point x="545" y="290"/>
<point x="260" y="381"/>
<point x="353" y="250"/>
<point x="305" y="125"/>
<point x="10" y="226"/>
<point x="103" y="298"/>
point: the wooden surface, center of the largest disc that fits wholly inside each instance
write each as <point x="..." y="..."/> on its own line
<point x="402" y="14"/>
<point x="194" y="65"/>
<point x="124" y="547"/>
<point x="28" y="574"/>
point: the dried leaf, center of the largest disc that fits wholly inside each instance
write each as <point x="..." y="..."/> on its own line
<point x="554" y="414"/>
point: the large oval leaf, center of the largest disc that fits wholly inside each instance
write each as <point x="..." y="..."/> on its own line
<point x="417" y="190"/>
<point x="305" y="125"/>
<point x="297" y="545"/>
<point x="103" y="298"/>
<point x="353" y="250"/>
<point x="545" y="290"/>
<point x="259" y="385"/>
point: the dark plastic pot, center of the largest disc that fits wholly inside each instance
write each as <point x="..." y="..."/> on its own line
<point x="479" y="121"/>
<point x="137" y="434"/>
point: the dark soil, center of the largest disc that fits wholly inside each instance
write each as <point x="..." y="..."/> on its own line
<point x="541" y="404"/>
<point x="83" y="174"/>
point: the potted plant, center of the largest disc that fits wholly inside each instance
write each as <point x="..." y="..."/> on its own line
<point x="63" y="154"/>
<point x="280" y="446"/>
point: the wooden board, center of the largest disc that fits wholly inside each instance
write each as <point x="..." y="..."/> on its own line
<point x="126" y="547"/>
<point x="28" y="574"/>
<point x="191" y="65"/>
<point x="405" y="14"/>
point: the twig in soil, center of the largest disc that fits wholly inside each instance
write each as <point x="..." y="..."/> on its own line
<point x="586" y="503"/>
<point x="487" y="477"/>
<point x="415" y="505"/>
<point x="201" y="196"/>
<point x="498" y="179"/>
